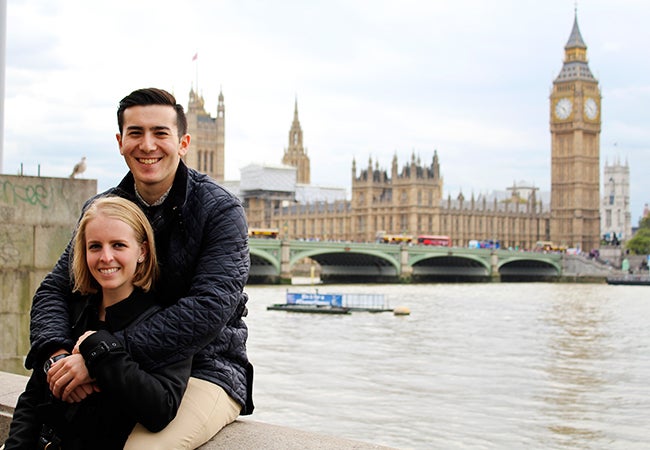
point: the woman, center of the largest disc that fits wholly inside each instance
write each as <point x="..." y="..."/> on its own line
<point x="114" y="268"/>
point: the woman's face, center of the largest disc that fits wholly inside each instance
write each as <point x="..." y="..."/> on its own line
<point x="112" y="255"/>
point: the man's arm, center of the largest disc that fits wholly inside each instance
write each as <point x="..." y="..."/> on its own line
<point x="214" y="299"/>
<point x="50" y="328"/>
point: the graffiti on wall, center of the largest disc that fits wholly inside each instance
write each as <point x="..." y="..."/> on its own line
<point x="9" y="247"/>
<point x="34" y="194"/>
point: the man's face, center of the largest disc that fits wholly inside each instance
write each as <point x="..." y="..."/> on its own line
<point x="151" y="146"/>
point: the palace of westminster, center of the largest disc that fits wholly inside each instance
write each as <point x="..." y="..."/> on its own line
<point x="409" y="199"/>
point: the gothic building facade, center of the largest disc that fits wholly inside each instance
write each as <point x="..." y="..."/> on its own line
<point x="408" y="199"/>
<point x="208" y="137"/>
<point x="616" y="218"/>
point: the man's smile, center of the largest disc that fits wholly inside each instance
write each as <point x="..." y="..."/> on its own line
<point x="148" y="160"/>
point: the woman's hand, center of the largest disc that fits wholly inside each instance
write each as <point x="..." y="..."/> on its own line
<point x="81" y="339"/>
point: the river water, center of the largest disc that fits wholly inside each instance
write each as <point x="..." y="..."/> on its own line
<point x="474" y="366"/>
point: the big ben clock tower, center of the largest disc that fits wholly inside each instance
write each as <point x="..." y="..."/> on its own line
<point x="575" y="150"/>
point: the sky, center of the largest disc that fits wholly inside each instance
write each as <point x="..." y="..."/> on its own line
<point x="469" y="79"/>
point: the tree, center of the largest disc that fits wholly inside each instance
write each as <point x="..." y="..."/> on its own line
<point x="640" y="243"/>
<point x="644" y="223"/>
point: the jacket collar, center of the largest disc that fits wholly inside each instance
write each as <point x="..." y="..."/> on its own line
<point x="177" y="196"/>
<point x="118" y="316"/>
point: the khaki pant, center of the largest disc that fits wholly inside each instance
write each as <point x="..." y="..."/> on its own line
<point x="205" y="409"/>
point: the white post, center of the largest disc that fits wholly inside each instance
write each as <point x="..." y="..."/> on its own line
<point x="3" y="47"/>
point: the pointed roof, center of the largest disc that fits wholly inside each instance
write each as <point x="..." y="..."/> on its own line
<point x="295" y="111"/>
<point x="575" y="39"/>
<point x="575" y="65"/>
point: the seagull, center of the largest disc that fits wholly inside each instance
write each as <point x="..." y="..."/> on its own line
<point x="79" y="168"/>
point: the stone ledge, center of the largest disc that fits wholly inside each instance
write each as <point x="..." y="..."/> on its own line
<point x="247" y="434"/>
<point x="241" y="434"/>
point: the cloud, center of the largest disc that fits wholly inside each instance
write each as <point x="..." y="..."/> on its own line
<point x="469" y="78"/>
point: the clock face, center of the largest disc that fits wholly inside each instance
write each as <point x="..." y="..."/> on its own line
<point x="563" y="108"/>
<point x="591" y="108"/>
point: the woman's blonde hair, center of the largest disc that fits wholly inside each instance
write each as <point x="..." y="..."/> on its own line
<point x="128" y="212"/>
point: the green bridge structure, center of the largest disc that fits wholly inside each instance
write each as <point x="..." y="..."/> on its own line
<point x="276" y="261"/>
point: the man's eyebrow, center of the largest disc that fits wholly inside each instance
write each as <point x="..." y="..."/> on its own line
<point x="154" y="128"/>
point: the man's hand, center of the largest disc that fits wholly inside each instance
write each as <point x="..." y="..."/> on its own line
<point x="69" y="379"/>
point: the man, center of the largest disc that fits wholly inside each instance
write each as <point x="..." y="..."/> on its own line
<point x="202" y="244"/>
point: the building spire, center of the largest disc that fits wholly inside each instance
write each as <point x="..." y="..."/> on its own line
<point x="296" y="154"/>
<point x="575" y="57"/>
<point x="575" y="38"/>
<point x="295" y="111"/>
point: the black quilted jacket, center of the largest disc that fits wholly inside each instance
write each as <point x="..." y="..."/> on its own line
<point x="202" y="246"/>
<point x="128" y="394"/>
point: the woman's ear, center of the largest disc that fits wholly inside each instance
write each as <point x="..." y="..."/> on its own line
<point x="144" y="248"/>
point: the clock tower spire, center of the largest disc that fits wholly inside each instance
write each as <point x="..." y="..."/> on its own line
<point x="575" y="149"/>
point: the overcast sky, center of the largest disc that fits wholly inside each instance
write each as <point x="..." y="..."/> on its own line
<point x="468" y="78"/>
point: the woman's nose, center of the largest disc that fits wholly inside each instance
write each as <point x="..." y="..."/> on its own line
<point x="106" y="254"/>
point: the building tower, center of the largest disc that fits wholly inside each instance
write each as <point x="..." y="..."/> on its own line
<point x="208" y="137"/>
<point x="615" y="215"/>
<point x="296" y="155"/>
<point x="405" y="201"/>
<point x="575" y="149"/>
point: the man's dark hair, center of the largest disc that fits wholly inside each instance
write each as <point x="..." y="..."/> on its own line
<point x="152" y="96"/>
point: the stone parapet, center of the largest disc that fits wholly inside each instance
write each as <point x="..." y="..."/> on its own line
<point x="241" y="434"/>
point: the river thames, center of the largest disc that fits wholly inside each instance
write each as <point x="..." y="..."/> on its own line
<point x="474" y="366"/>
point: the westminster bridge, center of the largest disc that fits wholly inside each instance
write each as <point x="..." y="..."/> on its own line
<point x="276" y="261"/>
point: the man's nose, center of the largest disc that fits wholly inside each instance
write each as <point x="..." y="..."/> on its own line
<point x="148" y="143"/>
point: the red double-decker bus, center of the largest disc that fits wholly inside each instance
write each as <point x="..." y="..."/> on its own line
<point x="439" y="241"/>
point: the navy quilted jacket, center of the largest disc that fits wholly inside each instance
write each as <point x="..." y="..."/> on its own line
<point x="202" y="246"/>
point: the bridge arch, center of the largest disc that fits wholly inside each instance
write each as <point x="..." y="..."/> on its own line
<point x="450" y="266"/>
<point x="524" y="267"/>
<point x="346" y="263"/>
<point x="265" y="265"/>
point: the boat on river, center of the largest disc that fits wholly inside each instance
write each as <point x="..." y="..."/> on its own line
<point x="315" y="302"/>
<point x="629" y="279"/>
<point x="312" y="309"/>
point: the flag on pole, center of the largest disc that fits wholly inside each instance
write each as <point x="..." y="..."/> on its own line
<point x="196" y="55"/>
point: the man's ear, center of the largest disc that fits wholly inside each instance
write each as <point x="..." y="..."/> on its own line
<point x="184" y="144"/>
<point x="118" y="136"/>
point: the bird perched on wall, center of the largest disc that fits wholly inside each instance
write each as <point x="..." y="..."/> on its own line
<point x="79" y="168"/>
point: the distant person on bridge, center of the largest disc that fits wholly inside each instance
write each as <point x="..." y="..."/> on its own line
<point x="202" y="245"/>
